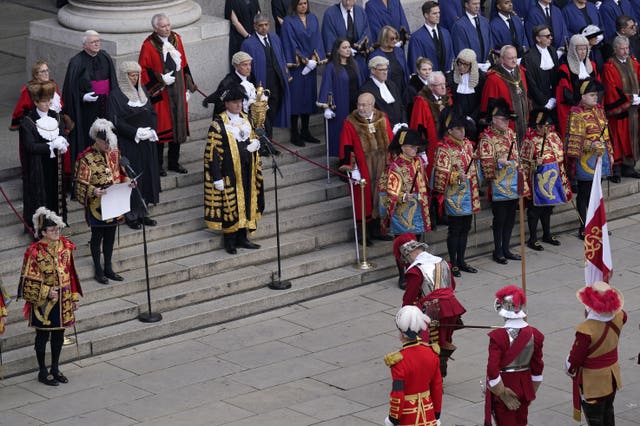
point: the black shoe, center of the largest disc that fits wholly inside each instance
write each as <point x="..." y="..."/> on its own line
<point x="179" y="169"/>
<point x="307" y="137"/>
<point x="59" y="377"/>
<point x="133" y="224"/>
<point x="244" y="243"/>
<point x="47" y="379"/>
<point x="297" y="142"/>
<point x="455" y="271"/>
<point x="101" y="279"/>
<point x="512" y="256"/>
<point x="148" y="221"/>
<point x="580" y="235"/>
<point x="230" y="247"/>
<point x="113" y="276"/>
<point x="501" y="260"/>
<point x="551" y="240"/>
<point x="535" y="245"/>
<point x="382" y="237"/>
<point x="468" y="268"/>
<point x="630" y="172"/>
<point x="163" y="172"/>
<point x="615" y="179"/>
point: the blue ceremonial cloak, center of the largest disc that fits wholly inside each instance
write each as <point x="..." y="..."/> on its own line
<point x="334" y="27"/>
<point x="465" y="35"/>
<point x="559" y="28"/>
<point x="609" y="12"/>
<point x="574" y="19"/>
<point x="305" y="41"/>
<point x="450" y="12"/>
<point x="254" y="47"/>
<point x="380" y="15"/>
<point x="520" y="8"/>
<point x="421" y="44"/>
<point x="336" y="80"/>
<point x="502" y="35"/>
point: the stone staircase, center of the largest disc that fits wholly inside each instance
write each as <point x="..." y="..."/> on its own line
<point x="195" y="283"/>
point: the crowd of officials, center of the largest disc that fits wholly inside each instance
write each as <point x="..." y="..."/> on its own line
<point x="525" y="103"/>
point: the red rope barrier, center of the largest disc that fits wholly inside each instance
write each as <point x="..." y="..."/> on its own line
<point x="16" y="212"/>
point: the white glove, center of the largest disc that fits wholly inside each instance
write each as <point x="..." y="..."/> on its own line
<point x="306" y="70"/>
<point x="518" y="61"/>
<point x="219" y="185"/>
<point x="388" y="422"/>
<point x="423" y="155"/>
<point x="399" y="126"/>
<point x="398" y="44"/>
<point x="551" y="104"/>
<point x="559" y="53"/>
<point x="636" y="99"/>
<point x="187" y="95"/>
<point x="168" y="78"/>
<point x="153" y="136"/>
<point x="61" y="143"/>
<point x="598" y="4"/>
<point x="355" y="174"/>
<point x="354" y="52"/>
<point x="254" y="145"/>
<point x="328" y="114"/>
<point x="484" y="66"/>
<point x="312" y="64"/>
<point x="90" y="97"/>
<point x="142" y="133"/>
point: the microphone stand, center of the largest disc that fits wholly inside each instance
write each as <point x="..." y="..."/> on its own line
<point x="148" y="316"/>
<point x="276" y="283"/>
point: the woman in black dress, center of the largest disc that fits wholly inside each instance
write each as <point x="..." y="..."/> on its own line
<point x="240" y="13"/>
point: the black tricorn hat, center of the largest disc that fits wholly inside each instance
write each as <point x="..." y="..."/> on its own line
<point x="539" y="117"/>
<point x="590" y="86"/>
<point x="498" y="107"/>
<point x="406" y="136"/>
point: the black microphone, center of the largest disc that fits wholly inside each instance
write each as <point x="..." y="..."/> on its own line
<point x="124" y="162"/>
<point x="264" y="141"/>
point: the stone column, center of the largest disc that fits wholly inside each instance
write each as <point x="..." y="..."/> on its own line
<point x="125" y="16"/>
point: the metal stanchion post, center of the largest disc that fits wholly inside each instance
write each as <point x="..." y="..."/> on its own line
<point x="364" y="264"/>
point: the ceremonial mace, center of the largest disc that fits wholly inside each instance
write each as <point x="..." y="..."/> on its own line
<point x="258" y="114"/>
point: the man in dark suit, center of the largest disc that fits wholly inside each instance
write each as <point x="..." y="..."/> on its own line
<point x="544" y="12"/>
<point x="507" y="28"/>
<point x="541" y="63"/>
<point x="472" y="31"/>
<point x="387" y="95"/>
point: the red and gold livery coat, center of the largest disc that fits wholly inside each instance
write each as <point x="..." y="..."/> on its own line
<point x="46" y="266"/>
<point x="416" y="394"/>
<point x="453" y="158"/>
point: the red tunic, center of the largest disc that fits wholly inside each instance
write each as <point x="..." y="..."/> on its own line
<point x="501" y="354"/>
<point x="495" y="87"/>
<point x="421" y="114"/>
<point x="616" y="105"/>
<point x="416" y="395"/>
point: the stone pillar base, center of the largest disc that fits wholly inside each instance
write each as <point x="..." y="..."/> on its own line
<point x="205" y="42"/>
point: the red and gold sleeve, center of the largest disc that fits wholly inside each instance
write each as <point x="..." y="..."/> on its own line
<point x="576" y="132"/>
<point x="396" y="397"/>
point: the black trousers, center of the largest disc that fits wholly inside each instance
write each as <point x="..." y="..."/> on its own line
<point x="601" y="413"/>
<point x="457" y="235"/>
<point x="542" y="214"/>
<point x="105" y="236"/>
<point x="173" y="156"/>
<point x="582" y="200"/>
<point x="504" y="217"/>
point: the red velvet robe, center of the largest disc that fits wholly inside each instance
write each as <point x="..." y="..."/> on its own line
<point x="495" y="87"/>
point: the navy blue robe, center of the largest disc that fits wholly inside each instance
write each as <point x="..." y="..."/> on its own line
<point x="254" y="47"/>
<point x="609" y="11"/>
<point x="559" y="28"/>
<point x="502" y="35"/>
<point x="450" y="12"/>
<point x="380" y="15"/>
<point x="520" y="8"/>
<point x="421" y="44"/>
<point x="574" y="19"/>
<point x="305" y="41"/>
<point x="465" y="35"/>
<point x="335" y="79"/>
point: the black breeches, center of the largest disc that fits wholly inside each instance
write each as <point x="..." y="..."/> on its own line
<point x="601" y="413"/>
<point x="457" y="235"/>
<point x="582" y="201"/>
<point x="504" y="217"/>
<point x="106" y="236"/>
<point x="543" y="214"/>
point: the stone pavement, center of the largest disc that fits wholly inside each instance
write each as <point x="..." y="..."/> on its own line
<point x="320" y="362"/>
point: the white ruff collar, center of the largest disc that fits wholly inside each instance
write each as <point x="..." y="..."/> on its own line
<point x="48" y="128"/>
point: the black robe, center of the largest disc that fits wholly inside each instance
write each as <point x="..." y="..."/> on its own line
<point x="141" y="155"/>
<point x="82" y="69"/>
<point x="41" y="175"/>
<point x="245" y="11"/>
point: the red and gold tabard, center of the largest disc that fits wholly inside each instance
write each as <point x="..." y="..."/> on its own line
<point x="3" y="309"/>
<point x="416" y="394"/>
<point x="96" y="170"/>
<point x="46" y="266"/>
<point x="588" y="139"/>
<point x="404" y="196"/>
<point x="454" y="158"/>
<point x="551" y="173"/>
<point x="492" y="145"/>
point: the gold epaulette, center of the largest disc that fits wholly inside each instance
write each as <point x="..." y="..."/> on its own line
<point x="434" y="346"/>
<point x="392" y="358"/>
